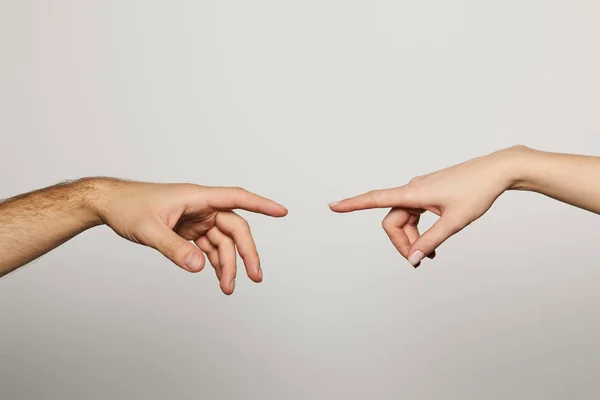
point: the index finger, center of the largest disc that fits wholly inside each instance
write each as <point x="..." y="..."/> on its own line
<point x="383" y="198"/>
<point x="229" y="198"/>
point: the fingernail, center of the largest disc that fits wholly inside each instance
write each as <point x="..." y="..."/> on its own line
<point x="416" y="257"/>
<point x="260" y="276"/>
<point x="335" y="203"/>
<point x="192" y="261"/>
<point x="232" y="285"/>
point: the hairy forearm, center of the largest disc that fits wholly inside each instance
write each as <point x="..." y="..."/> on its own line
<point x="572" y="179"/>
<point x="34" y="223"/>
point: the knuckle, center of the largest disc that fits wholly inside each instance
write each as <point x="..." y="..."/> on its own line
<point x="241" y="227"/>
<point x="374" y="196"/>
<point x="386" y="224"/>
<point x="245" y="225"/>
<point x="415" y="179"/>
<point x="371" y="194"/>
<point x="239" y="195"/>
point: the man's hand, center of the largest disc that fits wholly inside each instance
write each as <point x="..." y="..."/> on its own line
<point x="167" y="217"/>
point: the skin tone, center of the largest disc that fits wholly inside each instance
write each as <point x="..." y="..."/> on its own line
<point x="185" y="222"/>
<point x="461" y="194"/>
<point x="182" y="221"/>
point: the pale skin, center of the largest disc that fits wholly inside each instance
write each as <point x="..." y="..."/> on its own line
<point x="185" y="222"/>
<point x="182" y="221"/>
<point x="461" y="194"/>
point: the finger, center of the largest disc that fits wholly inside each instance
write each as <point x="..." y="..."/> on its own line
<point x="174" y="247"/>
<point x="219" y="266"/>
<point x="392" y="225"/>
<point x="226" y="248"/>
<point x="397" y="197"/>
<point x="237" y="227"/>
<point x="211" y="251"/>
<point x="412" y="231"/>
<point x="434" y="237"/>
<point x="412" y="228"/>
<point x="229" y="198"/>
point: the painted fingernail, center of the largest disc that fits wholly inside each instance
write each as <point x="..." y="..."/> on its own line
<point x="335" y="203"/>
<point x="232" y="286"/>
<point x="416" y="257"/>
<point x="192" y="261"/>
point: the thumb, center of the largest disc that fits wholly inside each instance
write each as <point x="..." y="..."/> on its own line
<point x="175" y="248"/>
<point x="430" y="240"/>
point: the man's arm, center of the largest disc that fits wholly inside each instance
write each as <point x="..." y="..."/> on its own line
<point x="166" y="217"/>
<point x="33" y="224"/>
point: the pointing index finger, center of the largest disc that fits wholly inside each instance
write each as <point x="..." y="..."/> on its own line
<point x="383" y="198"/>
<point x="229" y="198"/>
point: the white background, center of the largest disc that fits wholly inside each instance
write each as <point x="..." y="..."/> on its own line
<point x="305" y="102"/>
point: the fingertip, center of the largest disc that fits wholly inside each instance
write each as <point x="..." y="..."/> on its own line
<point x="336" y="206"/>
<point x="275" y="210"/>
<point x="195" y="271"/>
<point x="227" y="287"/>
<point x="194" y="262"/>
<point x="253" y="270"/>
<point x="256" y="276"/>
<point x="283" y="211"/>
<point x="416" y="257"/>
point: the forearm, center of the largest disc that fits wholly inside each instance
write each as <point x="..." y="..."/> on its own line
<point x="35" y="223"/>
<point x="572" y="179"/>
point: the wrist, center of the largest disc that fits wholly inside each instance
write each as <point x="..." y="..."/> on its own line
<point x="94" y="196"/>
<point x="515" y="162"/>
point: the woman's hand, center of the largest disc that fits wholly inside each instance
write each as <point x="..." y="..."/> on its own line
<point x="458" y="195"/>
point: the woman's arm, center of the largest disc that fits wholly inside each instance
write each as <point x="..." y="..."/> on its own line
<point x="569" y="178"/>
<point x="463" y="193"/>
